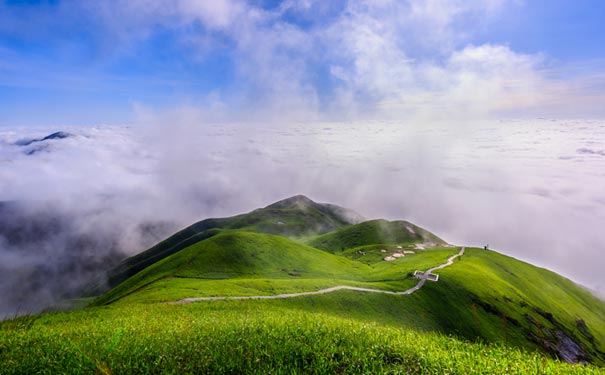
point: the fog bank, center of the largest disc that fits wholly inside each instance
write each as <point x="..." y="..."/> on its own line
<point x="531" y="189"/>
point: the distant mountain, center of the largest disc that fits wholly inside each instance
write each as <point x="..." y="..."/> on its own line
<point x="304" y="203"/>
<point x="40" y="144"/>
<point x="56" y="135"/>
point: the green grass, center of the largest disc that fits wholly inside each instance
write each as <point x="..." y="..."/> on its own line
<point x="474" y="298"/>
<point x="536" y="302"/>
<point x="238" y="258"/>
<point x="297" y="216"/>
<point x="174" y="289"/>
<point x="371" y="233"/>
<point x="432" y="331"/>
<point x="242" y="254"/>
<point x="488" y="314"/>
<point x="236" y="337"/>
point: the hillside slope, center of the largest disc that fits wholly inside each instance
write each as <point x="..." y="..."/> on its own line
<point x="235" y="255"/>
<point x="292" y="217"/>
<point x="483" y="298"/>
<point x="517" y="303"/>
<point x="239" y="254"/>
<point x="246" y="337"/>
<point x="373" y="232"/>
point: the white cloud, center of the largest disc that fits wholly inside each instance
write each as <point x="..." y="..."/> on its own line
<point x="400" y="58"/>
<point x="393" y="57"/>
<point x="345" y="59"/>
<point x="218" y="14"/>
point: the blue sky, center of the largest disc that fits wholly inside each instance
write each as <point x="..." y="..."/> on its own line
<point x="565" y="30"/>
<point x="85" y="62"/>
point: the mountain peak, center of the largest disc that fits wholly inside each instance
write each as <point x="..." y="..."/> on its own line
<point x="56" y="135"/>
<point x="304" y="203"/>
<point x="297" y="200"/>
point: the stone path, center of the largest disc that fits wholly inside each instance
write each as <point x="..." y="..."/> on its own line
<point x="420" y="284"/>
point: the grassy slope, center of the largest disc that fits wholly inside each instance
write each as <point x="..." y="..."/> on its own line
<point x="372" y="232"/>
<point x="293" y="217"/>
<point x="536" y="302"/>
<point x="345" y="332"/>
<point x="340" y="332"/>
<point x="240" y="263"/>
<point x="234" y="337"/>
<point x="263" y="264"/>
<point x="392" y="276"/>
<point x="469" y="301"/>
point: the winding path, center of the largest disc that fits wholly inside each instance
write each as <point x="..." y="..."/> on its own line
<point x="420" y="284"/>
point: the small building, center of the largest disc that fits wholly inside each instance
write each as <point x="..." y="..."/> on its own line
<point x="426" y="276"/>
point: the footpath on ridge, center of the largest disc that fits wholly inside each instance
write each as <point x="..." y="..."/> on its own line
<point x="420" y="284"/>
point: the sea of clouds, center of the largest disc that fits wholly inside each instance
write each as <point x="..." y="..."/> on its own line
<point x="531" y="189"/>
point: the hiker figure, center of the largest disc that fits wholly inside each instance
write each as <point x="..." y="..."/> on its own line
<point x="485" y="247"/>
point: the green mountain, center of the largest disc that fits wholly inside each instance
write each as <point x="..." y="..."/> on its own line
<point x="371" y="233"/>
<point x="301" y="287"/>
<point x="292" y="217"/>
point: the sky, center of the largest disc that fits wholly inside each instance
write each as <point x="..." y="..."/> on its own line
<point x="481" y="120"/>
<point x="90" y="62"/>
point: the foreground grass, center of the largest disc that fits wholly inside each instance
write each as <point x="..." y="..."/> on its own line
<point x="233" y="337"/>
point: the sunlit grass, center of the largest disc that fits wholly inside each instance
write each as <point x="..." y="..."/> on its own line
<point x="478" y="319"/>
<point x="229" y="337"/>
<point x="228" y="264"/>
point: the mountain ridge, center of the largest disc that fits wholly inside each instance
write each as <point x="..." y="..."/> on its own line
<point x="294" y="216"/>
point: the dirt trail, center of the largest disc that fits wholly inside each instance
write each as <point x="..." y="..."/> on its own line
<point x="420" y="284"/>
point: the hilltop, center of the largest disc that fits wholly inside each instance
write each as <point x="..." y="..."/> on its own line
<point x="344" y="298"/>
<point x="297" y="216"/>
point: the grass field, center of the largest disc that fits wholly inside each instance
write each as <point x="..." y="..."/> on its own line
<point x="370" y="233"/>
<point x="536" y="302"/>
<point x="234" y="337"/>
<point x="236" y="256"/>
<point x="293" y="217"/>
<point x="433" y="331"/>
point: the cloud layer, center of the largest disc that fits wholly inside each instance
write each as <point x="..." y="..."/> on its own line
<point x="300" y="60"/>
